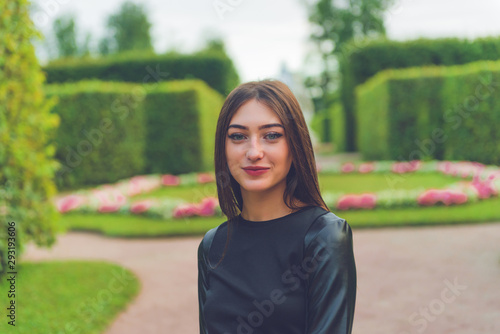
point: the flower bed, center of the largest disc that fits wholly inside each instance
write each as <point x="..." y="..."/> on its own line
<point x="484" y="183"/>
<point x="478" y="182"/>
<point x="118" y="198"/>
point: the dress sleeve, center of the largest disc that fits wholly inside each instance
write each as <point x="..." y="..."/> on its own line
<point x="331" y="281"/>
<point x="202" y="286"/>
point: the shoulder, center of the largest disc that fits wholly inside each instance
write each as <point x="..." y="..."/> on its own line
<point x="329" y="228"/>
<point x="207" y="240"/>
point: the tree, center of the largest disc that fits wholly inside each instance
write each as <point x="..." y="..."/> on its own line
<point x="335" y="23"/>
<point x="129" y="30"/>
<point x="27" y="130"/>
<point x="64" y="30"/>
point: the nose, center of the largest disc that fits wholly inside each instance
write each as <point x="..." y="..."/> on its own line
<point x="255" y="151"/>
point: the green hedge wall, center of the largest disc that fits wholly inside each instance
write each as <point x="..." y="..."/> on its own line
<point x="320" y="124"/>
<point x="431" y="113"/>
<point x="337" y="124"/>
<point x="181" y="121"/>
<point x="112" y="130"/>
<point x="329" y="124"/>
<point x="217" y="70"/>
<point x="362" y="60"/>
<point x="101" y="135"/>
<point x="27" y="163"/>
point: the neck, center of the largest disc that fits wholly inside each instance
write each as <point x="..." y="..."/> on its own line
<point x="261" y="206"/>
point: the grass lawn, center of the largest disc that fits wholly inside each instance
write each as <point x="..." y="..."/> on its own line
<point x="137" y="226"/>
<point x="68" y="296"/>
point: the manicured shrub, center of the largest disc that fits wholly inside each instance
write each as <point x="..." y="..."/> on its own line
<point x="101" y="136"/>
<point x="181" y="120"/>
<point x="111" y="130"/>
<point x="216" y="69"/>
<point x="362" y="60"/>
<point x="431" y="113"/>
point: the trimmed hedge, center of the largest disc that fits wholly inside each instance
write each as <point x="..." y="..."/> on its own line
<point x="216" y="69"/>
<point x="181" y="121"/>
<point x="362" y="60"/>
<point x="320" y="124"/>
<point x="111" y="130"/>
<point x="429" y="113"/>
<point x="27" y="163"/>
<point x="101" y="136"/>
<point x="329" y="124"/>
<point x="338" y="126"/>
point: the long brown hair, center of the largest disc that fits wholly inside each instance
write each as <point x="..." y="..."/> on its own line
<point x="302" y="179"/>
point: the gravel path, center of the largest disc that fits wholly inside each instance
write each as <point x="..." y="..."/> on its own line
<point x="410" y="280"/>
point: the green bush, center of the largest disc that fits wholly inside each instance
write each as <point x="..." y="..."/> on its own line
<point x="431" y="113"/>
<point x="181" y="121"/>
<point x="113" y="130"/>
<point x="27" y="166"/>
<point x="329" y="124"/>
<point x="216" y="69"/>
<point x="321" y="126"/>
<point x="362" y="60"/>
<point x="337" y="124"/>
<point x="101" y="135"/>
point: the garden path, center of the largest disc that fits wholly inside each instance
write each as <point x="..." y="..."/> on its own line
<point x="441" y="279"/>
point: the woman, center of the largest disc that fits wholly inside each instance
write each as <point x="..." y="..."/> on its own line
<point x="282" y="263"/>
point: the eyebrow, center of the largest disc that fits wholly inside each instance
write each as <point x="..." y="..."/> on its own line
<point x="265" y="126"/>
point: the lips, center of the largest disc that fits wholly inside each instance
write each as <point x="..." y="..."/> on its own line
<point x="255" y="168"/>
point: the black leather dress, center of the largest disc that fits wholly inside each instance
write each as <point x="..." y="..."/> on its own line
<point x="290" y="275"/>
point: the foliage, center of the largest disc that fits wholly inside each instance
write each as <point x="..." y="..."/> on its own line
<point x="363" y="59"/>
<point x="329" y="125"/>
<point x="129" y="29"/>
<point x="70" y="296"/>
<point x="451" y="113"/>
<point x="112" y="130"/>
<point x="334" y="25"/>
<point x="64" y="30"/>
<point x="101" y="136"/>
<point x="141" y="226"/>
<point x="215" y="68"/>
<point x="26" y="127"/>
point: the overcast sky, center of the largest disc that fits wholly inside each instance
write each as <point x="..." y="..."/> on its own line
<point x="260" y="35"/>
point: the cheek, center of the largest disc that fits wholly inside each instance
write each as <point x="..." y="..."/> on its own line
<point x="232" y="155"/>
<point x="282" y="154"/>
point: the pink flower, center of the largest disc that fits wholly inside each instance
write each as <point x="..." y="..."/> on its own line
<point x="185" y="210"/>
<point x="133" y="187"/>
<point x="109" y="207"/>
<point x="109" y="201"/>
<point x="346" y="202"/>
<point x="445" y="196"/>
<point x="405" y="167"/>
<point x="459" y="198"/>
<point x="141" y="206"/>
<point x="69" y="203"/>
<point x="484" y="189"/>
<point x="205" y="178"/>
<point x="207" y="206"/>
<point x="348" y="167"/>
<point x="367" y="201"/>
<point x="363" y="201"/>
<point x="429" y="197"/>
<point x="366" y="167"/>
<point x="170" y="180"/>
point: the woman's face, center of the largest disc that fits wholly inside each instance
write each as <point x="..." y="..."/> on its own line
<point x="256" y="138"/>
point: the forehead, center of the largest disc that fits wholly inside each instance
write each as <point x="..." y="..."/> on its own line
<point x="253" y="113"/>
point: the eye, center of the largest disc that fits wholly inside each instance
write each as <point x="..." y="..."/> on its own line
<point x="274" y="135"/>
<point x="235" y="136"/>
